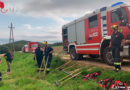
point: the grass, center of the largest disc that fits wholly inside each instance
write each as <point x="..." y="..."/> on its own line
<point x="24" y="76"/>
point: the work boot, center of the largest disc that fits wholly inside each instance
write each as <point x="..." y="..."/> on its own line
<point x="119" y="67"/>
<point x="116" y="70"/>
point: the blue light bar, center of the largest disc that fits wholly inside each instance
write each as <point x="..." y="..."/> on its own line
<point x="113" y="5"/>
<point x="103" y="9"/>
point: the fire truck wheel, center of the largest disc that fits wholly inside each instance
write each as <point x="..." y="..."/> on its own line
<point x="73" y="54"/>
<point x="93" y="56"/>
<point x="107" y="56"/>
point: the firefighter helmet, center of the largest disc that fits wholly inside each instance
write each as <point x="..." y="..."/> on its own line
<point x="45" y="42"/>
<point x="115" y="27"/>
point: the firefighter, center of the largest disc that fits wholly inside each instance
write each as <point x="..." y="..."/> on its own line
<point x="117" y="40"/>
<point x="9" y="58"/>
<point x="39" y="57"/>
<point x="48" y="55"/>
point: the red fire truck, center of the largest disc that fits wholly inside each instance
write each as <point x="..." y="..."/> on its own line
<point x="91" y="34"/>
<point x="30" y="47"/>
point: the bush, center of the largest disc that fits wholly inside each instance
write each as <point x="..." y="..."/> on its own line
<point x="3" y="49"/>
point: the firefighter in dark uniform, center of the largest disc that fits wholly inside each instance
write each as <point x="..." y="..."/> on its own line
<point x="39" y="57"/>
<point x="128" y="42"/>
<point x="48" y="55"/>
<point x="9" y="58"/>
<point x="117" y="39"/>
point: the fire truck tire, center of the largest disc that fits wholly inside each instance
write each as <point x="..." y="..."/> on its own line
<point x="107" y="56"/>
<point x="73" y="54"/>
<point x="93" y="56"/>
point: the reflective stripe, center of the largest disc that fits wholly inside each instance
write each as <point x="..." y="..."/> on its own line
<point x="117" y="63"/>
<point x="48" y="69"/>
<point x="88" y="49"/>
<point x="117" y="69"/>
<point x="89" y="44"/>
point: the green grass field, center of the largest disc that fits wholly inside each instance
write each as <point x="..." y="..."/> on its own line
<point x="24" y="76"/>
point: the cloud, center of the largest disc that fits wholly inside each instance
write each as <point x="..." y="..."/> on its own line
<point x="40" y="37"/>
<point x="39" y="33"/>
<point x="28" y="26"/>
<point x="4" y="34"/>
<point x="39" y="28"/>
<point x="58" y="10"/>
<point x="65" y="8"/>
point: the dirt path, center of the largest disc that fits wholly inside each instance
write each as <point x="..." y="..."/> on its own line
<point x="98" y="63"/>
<point x="92" y="62"/>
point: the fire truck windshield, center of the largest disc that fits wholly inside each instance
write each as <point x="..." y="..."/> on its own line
<point x="34" y="46"/>
<point x="119" y="15"/>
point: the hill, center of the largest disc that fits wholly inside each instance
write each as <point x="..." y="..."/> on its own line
<point x="18" y="45"/>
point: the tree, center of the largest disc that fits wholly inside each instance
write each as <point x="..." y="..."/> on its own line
<point x="3" y="49"/>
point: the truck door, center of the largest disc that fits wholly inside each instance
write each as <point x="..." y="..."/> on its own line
<point x="115" y="17"/>
<point x="93" y="29"/>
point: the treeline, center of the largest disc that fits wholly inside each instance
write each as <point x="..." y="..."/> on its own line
<point x="19" y="44"/>
<point x="57" y="44"/>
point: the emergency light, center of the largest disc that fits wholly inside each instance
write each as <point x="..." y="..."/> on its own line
<point x="116" y="4"/>
<point x="103" y="9"/>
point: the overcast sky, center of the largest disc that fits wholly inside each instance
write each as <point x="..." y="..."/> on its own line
<point x="39" y="20"/>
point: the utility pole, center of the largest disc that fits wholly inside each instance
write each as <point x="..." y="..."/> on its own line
<point x="11" y="38"/>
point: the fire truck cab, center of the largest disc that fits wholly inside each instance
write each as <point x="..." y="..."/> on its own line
<point x="30" y="47"/>
<point x="91" y="34"/>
